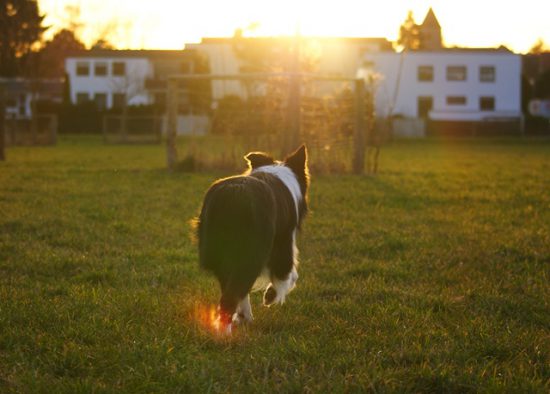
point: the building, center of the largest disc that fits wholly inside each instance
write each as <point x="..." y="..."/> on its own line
<point x="430" y="33"/>
<point x="114" y="78"/>
<point x="20" y="93"/>
<point x="120" y="78"/>
<point x="327" y="56"/>
<point x="447" y="88"/>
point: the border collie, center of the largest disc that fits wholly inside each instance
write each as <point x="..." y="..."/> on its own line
<point x="247" y="232"/>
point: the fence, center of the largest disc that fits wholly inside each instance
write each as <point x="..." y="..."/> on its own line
<point x="39" y="130"/>
<point x="132" y="129"/>
<point x="274" y="112"/>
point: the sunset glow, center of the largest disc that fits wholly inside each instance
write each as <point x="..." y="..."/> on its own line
<point x="208" y="318"/>
<point x="169" y="25"/>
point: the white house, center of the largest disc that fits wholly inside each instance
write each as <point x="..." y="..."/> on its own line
<point x="452" y="85"/>
<point x="109" y="78"/>
<point x="115" y="78"/>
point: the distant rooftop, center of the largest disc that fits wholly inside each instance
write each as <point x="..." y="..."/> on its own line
<point x="430" y="20"/>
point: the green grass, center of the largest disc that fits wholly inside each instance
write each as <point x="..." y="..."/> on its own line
<point x="431" y="277"/>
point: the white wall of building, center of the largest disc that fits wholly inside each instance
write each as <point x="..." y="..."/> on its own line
<point x="339" y="57"/>
<point x="137" y="70"/>
<point x="222" y="61"/>
<point x="389" y="67"/>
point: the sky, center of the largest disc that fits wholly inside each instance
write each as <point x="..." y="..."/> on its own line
<point x="169" y="24"/>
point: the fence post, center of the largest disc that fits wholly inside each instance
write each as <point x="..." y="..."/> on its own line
<point x="171" y="150"/>
<point x="359" y="136"/>
<point x="2" y="125"/>
<point x="293" y="136"/>
<point x="54" y="126"/>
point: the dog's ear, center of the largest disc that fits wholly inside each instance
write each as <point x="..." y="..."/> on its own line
<point x="258" y="159"/>
<point x="298" y="160"/>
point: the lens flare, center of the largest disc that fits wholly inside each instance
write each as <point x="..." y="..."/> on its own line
<point x="209" y="318"/>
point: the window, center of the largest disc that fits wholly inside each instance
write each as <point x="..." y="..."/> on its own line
<point x="486" y="103"/>
<point x="456" y="100"/>
<point x="100" y="69"/>
<point x="100" y="100"/>
<point x="425" y="73"/>
<point x="425" y="105"/>
<point x="487" y="74"/>
<point x="456" y="73"/>
<point x="82" y="68"/>
<point x="119" y="100"/>
<point x="82" y="97"/>
<point x="119" y="69"/>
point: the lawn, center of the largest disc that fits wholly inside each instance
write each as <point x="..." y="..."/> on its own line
<point x="433" y="276"/>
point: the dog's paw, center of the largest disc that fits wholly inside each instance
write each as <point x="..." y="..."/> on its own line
<point x="270" y="296"/>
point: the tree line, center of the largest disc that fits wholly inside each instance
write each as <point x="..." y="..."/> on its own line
<point x="24" y="52"/>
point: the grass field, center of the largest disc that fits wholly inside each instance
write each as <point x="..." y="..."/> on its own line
<point x="433" y="276"/>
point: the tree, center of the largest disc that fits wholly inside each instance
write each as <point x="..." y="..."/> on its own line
<point x="542" y="86"/>
<point x="409" y="33"/>
<point x="20" y="30"/>
<point x="102" y="44"/>
<point x="539" y="47"/>
<point x="52" y="56"/>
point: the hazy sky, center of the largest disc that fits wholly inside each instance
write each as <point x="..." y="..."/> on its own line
<point x="169" y="24"/>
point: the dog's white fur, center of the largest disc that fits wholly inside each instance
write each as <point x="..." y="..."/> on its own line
<point x="286" y="176"/>
<point x="283" y="287"/>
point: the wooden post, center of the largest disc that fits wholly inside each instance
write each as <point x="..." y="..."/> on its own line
<point x="293" y="133"/>
<point x="171" y="150"/>
<point x="35" y="89"/>
<point x="54" y="125"/>
<point x="104" y="124"/>
<point x="2" y="125"/>
<point x="293" y="136"/>
<point x="359" y="136"/>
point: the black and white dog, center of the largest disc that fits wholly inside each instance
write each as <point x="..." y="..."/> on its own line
<point x="247" y="231"/>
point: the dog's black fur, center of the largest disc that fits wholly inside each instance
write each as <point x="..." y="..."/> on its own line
<point x="247" y="225"/>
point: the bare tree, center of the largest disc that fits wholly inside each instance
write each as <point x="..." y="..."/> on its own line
<point x="130" y="85"/>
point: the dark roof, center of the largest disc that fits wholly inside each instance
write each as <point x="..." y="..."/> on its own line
<point x="430" y="20"/>
<point x="500" y="49"/>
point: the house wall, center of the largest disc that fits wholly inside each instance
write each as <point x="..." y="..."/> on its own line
<point x="331" y="56"/>
<point x="506" y="88"/>
<point x="137" y="70"/>
<point x="222" y="61"/>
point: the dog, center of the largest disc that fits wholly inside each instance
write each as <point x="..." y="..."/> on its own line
<point x="247" y="229"/>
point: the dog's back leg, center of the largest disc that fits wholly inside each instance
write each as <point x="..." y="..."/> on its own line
<point x="244" y="311"/>
<point x="235" y="297"/>
<point x="282" y="267"/>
